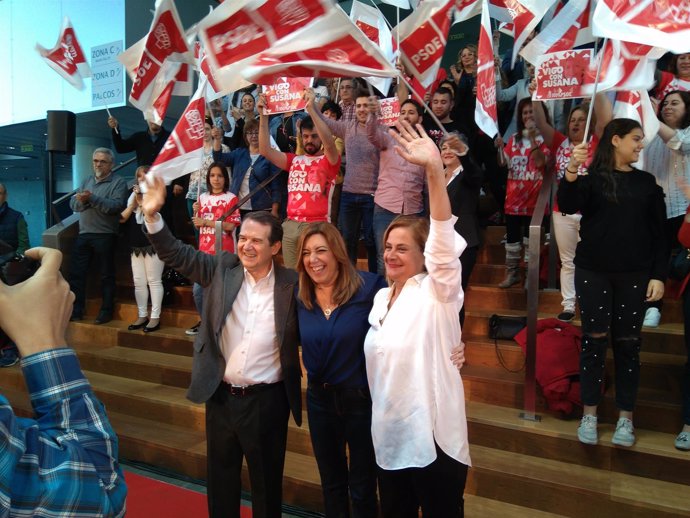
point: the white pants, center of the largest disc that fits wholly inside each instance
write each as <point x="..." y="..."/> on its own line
<point x="567" y="230"/>
<point x="147" y="271"/>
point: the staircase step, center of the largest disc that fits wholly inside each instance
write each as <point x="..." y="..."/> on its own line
<point x="480" y="507"/>
<point x="653" y="455"/>
<point x="578" y="490"/>
<point x="171" y="316"/>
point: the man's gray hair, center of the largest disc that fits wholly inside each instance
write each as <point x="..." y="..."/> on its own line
<point x="105" y="151"/>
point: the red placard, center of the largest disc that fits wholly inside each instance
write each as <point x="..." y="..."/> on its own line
<point x="390" y="111"/>
<point x="562" y="75"/>
<point x="286" y="94"/>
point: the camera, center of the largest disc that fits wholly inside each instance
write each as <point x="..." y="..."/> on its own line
<point x="14" y="267"/>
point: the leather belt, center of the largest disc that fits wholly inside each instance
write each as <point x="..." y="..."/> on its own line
<point x="249" y="389"/>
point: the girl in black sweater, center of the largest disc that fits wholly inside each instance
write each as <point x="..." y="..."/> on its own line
<point x="620" y="263"/>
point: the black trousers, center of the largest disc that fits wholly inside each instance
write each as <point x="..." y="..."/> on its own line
<point x="254" y="427"/>
<point x="85" y="247"/>
<point x="467" y="261"/>
<point x="436" y="488"/>
<point x="610" y="303"/>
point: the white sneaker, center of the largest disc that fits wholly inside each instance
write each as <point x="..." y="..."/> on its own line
<point x="625" y="433"/>
<point x="587" y="431"/>
<point x="651" y="318"/>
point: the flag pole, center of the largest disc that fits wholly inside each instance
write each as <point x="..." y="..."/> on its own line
<point x="426" y="106"/>
<point x="109" y="115"/>
<point x="594" y="93"/>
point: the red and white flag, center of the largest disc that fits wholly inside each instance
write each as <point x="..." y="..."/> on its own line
<point x="660" y="23"/>
<point x="625" y="66"/>
<point x="637" y="106"/>
<point x="144" y="60"/>
<point x="402" y="4"/>
<point x="371" y="22"/>
<point x="183" y="151"/>
<point x="164" y="89"/>
<point x="422" y="38"/>
<point x="485" y="109"/>
<point x="526" y="16"/>
<point x="498" y="10"/>
<point x="332" y="46"/>
<point x="213" y="89"/>
<point x="570" y="28"/>
<point x="466" y="9"/>
<point x="236" y="32"/>
<point x="66" y="57"/>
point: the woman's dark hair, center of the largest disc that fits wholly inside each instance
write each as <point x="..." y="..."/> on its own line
<point x="334" y="107"/>
<point x="223" y="170"/>
<point x="673" y="63"/>
<point x="520" y="123"/>
<point x="604" y="161"/>
<point x="208" y="120"/>
<point x="685" y="97"/>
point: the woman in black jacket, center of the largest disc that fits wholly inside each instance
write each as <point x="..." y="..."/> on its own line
<point x="620" y="262"/>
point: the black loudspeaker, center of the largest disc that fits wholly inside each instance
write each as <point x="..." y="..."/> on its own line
<point x="61" y="131"/>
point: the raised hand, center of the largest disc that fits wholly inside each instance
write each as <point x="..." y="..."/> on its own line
<point x="154" y="197"/>
<point x="415" y="146"/>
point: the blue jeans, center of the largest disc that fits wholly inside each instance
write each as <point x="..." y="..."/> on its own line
<point x="357" y="212"/>
<point x="198" y="296"/>
<point x="685" y="384"/>
<point x="340" y="419"/>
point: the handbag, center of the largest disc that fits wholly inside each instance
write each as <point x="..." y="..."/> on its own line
<point x="503" y="327"/>
<point x="679" y="268"/>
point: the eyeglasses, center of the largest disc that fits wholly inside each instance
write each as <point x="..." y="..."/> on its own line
<point x="252" y="133"/>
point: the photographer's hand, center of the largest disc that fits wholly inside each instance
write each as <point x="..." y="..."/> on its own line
<point x="36" y="327"/>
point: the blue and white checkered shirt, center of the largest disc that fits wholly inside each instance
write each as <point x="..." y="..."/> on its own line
<point x="63" y="463"/>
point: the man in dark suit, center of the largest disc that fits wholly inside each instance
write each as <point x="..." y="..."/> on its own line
<point x="246" y="364"/>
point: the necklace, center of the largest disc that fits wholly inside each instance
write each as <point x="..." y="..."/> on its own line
<point x="327" y="312"/>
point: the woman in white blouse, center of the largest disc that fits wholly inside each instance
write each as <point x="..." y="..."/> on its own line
<point x="419" y="428"/>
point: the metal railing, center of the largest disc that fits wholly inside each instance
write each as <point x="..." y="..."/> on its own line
<point x="530" y="385"/>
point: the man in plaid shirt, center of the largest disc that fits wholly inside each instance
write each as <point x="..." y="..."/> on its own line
<point x="64" y="463"/>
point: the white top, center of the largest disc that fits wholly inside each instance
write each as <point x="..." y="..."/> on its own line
<point x="667" y="162"/>
<point x="248" y="337"/>
<point x="417" y="392"/>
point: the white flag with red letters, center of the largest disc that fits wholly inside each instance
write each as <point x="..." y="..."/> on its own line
<point x="236" y="32"/>
<point x="485" y="114"/>
<point x="526" y="16"/>
<point x="144" y="60"/>
<point x="332" y="46"/>
<point x="422" y="38"/>
<point x="466" y="9"/>
<point x="371" y="22"/>
<point x="569" y="28"/>
<point x="660" y="23"/>
<point x="67" y="57"/>
<point x="183" y="151"/>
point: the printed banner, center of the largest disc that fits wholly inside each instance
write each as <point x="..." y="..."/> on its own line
<point x="390" y="111"/>
<point x="561" y="75"/>
<point x="286" y="95"/>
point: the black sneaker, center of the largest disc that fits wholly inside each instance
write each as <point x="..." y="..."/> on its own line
<point x="193" y="331"/>
<point x="8" y="357"/>
<point x="566" y="316"/>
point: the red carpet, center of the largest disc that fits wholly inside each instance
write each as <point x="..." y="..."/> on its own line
<point x="149" y="498"/>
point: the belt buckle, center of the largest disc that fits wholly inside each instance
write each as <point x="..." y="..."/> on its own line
<point x="238" y="391"/>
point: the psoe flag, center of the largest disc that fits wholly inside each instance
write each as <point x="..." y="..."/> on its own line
<point x="485" y="109"/>
<point x="422" y="38"/>
<point x="236" y="32"/>
<point x="332" y="46"/>
<point x="183" y="152"/>
<point x="659" y="23"/>
<point x="66" y="57"/>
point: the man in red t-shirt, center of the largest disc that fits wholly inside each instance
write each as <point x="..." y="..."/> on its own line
<point x="310" y="176"/>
